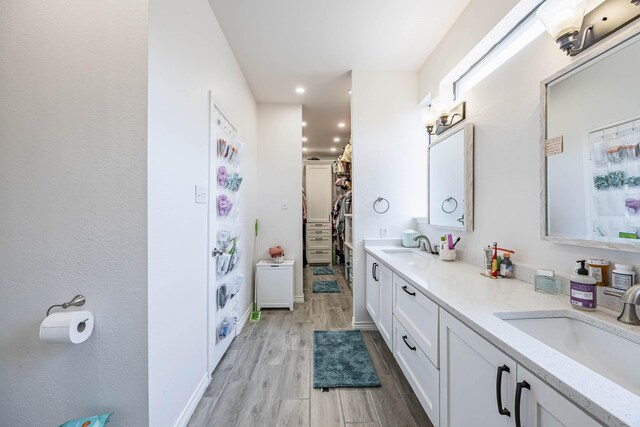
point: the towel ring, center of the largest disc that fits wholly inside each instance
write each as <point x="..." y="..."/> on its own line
<point x="448" y="199"/>
<point x="375" y="205"/>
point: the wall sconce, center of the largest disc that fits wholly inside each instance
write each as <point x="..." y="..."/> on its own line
<point x="438" y="117"/>
<point x="566" y="22"/>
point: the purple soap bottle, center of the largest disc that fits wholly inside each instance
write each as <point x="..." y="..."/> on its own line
<point x="583" y="292"/>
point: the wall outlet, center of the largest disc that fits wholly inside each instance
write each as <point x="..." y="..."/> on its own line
<point x="201" y="194"/>
<point x="383" y="232"/>
<point x="284" y="205"/>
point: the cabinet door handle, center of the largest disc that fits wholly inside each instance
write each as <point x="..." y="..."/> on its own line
<point x="404" y="288"/>
<point x="404" y="338"/>
<point x="373" y="271"/>
<point x="519" y="387"/>
<point x="501" y="409"/>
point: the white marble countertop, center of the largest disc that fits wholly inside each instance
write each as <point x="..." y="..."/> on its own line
<point x="459" y="288"/>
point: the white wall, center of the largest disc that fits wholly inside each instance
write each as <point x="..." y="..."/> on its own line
<point x="389" y="155"/>
<point x="73" y="142"/>
<point x="280" y="178"/>
<point x="477" y="19"/>
<point x="188" y="56"/>
<point x="504" y="109"/>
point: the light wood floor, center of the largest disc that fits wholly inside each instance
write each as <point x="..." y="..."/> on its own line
<point x="266" y="376"/>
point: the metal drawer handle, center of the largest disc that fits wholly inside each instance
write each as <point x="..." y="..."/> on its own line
<point x="519" y="387"/>
<point x="404" y="288"/>
<point x="501" y="409"/>
<point x="404" y="338"/>
<point x="318" y="231"/>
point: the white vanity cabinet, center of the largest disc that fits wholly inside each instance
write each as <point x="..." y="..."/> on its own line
<point x="372" y="290"/>
<point x="418" y="315"/>
<point x="379" y="297"/>
<point x="469" y="370"/>
<point x="472" y="369"/>
<point x="542" y="406"/>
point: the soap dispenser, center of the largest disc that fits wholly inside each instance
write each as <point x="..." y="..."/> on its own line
<point x="583" y="293"/>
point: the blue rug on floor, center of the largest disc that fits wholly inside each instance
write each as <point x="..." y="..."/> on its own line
<point x="341" y="359"/>
<point x="325" y="287"/>
<point x="322" y="271"/>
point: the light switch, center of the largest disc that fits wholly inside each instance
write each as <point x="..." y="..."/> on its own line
<point x="284" y="205"/>
<point x="201" y="194"/>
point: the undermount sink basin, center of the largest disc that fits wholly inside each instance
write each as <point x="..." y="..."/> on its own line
<point x="613" y="356"/>
<point x="404" y="254"/>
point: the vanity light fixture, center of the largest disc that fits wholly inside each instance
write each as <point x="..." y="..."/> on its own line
<point x="305" y="139"/>
<point x="304" y="124"/>
<point x="341" y="125"/>
<point x="438" y="118"/>
<point x="566" y="22"/>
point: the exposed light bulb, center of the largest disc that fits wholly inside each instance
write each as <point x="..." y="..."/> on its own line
<point x="341" y="125"/>
<point x="300" y="90"/>
<point x="333" y="149"/>
<point x="305" y="139"/>
<point x="336" y="139"/>
<point x="304" y="148"/>
<point x="304" y="124"/>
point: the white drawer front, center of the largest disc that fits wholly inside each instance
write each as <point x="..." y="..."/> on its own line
<point x="418" y="315"/>
<point x="420" y="372"/>
<point x="318" y="233"/>
<point x="318" y="256"/>
<point x="319" y="242"/>
<point x="318" y="226"/>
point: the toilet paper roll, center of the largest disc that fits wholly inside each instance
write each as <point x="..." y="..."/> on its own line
<point x="67" y="327"/>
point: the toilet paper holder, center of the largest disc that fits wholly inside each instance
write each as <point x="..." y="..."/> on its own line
<point x="76" y="301"/>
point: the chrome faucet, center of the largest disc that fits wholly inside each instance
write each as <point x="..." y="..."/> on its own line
<point x="425" y="243"/>
<point x="630" y="298"/>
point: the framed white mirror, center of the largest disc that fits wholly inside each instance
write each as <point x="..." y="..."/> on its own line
<point x="451" y="179"/>
<point x="590" y="149"/>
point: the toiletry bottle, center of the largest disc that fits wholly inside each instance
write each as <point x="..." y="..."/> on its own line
<point x="583" y="294"/>
<point x="494" y="260"/>
<point x="506" y="267"/>
<point x="623" y="277"/>
<point x="487" y="254"/>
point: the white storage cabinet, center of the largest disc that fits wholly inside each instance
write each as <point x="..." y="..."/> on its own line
<point x="274" y="284"/>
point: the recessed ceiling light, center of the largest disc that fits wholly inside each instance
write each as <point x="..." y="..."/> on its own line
<point x="304" y="148"/>
<point x="341" y="124"/>
<point x="304" y="124"/>
<point x="299" y="89"/>
<point x="333" y="149"/>
<point x="349" y="91"/>
<point x="336" y="139"/>
<point x="305" y="139"/>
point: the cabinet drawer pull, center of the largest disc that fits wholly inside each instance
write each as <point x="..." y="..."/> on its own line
<point x="318" y="252"/>
<point x="318" y="231"/>
<point x="501" y="409"/>
<point x="519" y="387"/>
<point x="404" y="288"/>
<point x="404" y="338"/>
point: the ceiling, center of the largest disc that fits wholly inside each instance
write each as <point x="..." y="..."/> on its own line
<point x="314" y="44"/>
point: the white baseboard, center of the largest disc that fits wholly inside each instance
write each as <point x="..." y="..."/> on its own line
<point x="244" y="319"/>
<point x="298" y="299"/>
<point x="364" y="326"/>
<point x="187" y="412"/>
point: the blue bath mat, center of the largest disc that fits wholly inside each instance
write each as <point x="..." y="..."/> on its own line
<point x="322" y="271"/>
<point x="325" y="287"/>
<point x="341" y="359"/>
